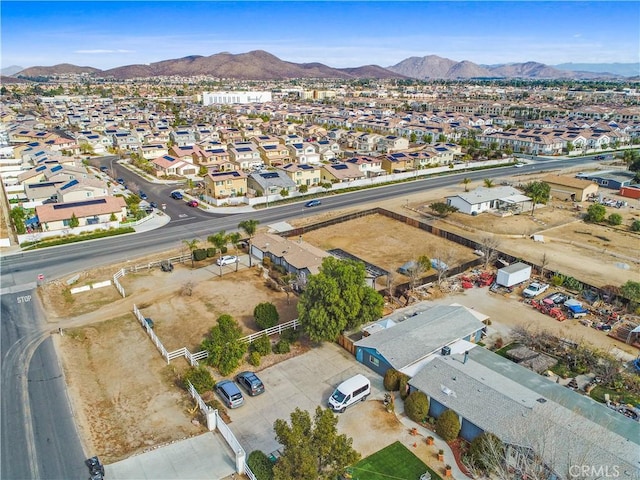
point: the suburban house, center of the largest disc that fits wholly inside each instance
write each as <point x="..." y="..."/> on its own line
<point x="183" y="138"/>
<point x="327" y="149"/>
<point x="302" y="174"/>
<point x="245" y="155"/>
<point x="296" y="256"/>
<point x="418" y="333"/>
<point x="168" y="165"/>
<point x="537" y="416"/>
<point x="341" y="172"/>
<point x="225" y="184"/>
<point x="570" y="188"/>
<point x="57" y="216"/>
<point x="391" y="143"/>
<point x="81" y="189"/>
<point x="271" y="182"/>
<point x="397" y="162"/>
<point x="303" y="153"/>
<point x="42" y="192"/>
<point x="153" y="151"/>
<point x="614" y="179"/>
<point x="370" y="166"/>
<point x="274" y="154"/>
<point x="484" y="199"/>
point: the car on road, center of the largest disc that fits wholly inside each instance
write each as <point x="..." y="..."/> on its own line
<point x="103" y="168"/>
<point x="226" y="260"/>
<point x="192" y="203"/>
<point x="534" y="289"/>
<point x="153" y="204"/>
<point x="120" y="181"/>
<point x="519" y="165"/>
<point x="96" y="469"/>
<point x="312" y="203"/>
<point x="250" y="382"/>
<point x="142" y="195"/>
<point x="229" y="393"/>
<point x="176" y="195"/>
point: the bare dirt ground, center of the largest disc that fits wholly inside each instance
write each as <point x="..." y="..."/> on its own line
<point x="111" y="366"/>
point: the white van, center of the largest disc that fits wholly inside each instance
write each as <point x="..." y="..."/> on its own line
<point x="355" y="389"/>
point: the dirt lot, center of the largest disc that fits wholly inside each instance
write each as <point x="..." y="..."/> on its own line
<point x="104" y="347"/>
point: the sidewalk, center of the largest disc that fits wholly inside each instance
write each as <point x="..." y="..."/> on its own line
<point x="439" y="443"/>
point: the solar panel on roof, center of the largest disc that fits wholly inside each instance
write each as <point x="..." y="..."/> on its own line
<point x="43" y="184"/>
<point x="56" y="168"/>
<point x="97" y="201"/>
<point x="40" y="168"/>
<point x="244" y="149"/>
<point x="167" y="157"/>
<point x="269" y="175"/>
<point x="269" y="147"/>
<point x="340" y="167"/>
<point x="70" y="184"/>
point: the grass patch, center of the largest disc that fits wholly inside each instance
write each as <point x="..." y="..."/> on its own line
<point x="392" y="462"/>
<point x="624" y="396"/>
<point x="503" y="351"/>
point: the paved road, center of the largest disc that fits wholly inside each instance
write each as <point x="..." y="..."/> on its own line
<point x="38" y="437"/>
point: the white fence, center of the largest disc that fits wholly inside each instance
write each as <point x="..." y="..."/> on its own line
<point x="151" y="333"/>
<point x="136" y="268"/>
<point x="278" y="329"/>
<point x="120" y="273"/>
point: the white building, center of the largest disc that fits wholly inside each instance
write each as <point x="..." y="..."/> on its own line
<point x="225" y="98"/>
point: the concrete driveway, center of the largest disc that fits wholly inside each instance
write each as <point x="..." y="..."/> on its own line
<point x="305" y="381"/>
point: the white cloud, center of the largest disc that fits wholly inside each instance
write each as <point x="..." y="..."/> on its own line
<point x="100" y="50"/>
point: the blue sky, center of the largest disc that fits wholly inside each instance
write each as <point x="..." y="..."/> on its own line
<point x="337" y="33"/>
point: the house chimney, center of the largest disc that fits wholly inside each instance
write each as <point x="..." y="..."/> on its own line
<point x="466" y="354"/>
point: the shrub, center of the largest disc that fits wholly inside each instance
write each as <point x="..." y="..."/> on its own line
<point x="615" y="219"/>
<point x="260" y="465"/>
<point x="485" y="450"/>
<point x="262" y="345"/>
<point x="266" y="315"/>
<point x="391" y="380"/>
<point x="557" y="280"/>
<point x="266" y="261"/>
<point x="404" y="386"/>
<point x="223" y="250"/>
<point x="635" y="226"/>
<point x="303" y="188"/>
<point x="416" y="406"/>
<point x="199" y="254"/>
<point x="211" y="252"/>
<point x="448" y="425"/>
<point x="254" y="358"/>
<point x="595" y="213"/>
<point x="200" y="378"/>
<point x="291" y="335"/>
<point x="282" y="347"/>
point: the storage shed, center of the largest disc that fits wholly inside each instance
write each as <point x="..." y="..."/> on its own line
<point x="513" y="274"/>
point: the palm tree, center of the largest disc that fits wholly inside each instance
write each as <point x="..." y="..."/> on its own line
<point x="249" y="227"/>
<point x="466" y="181"/>
<point x="234" y="239"/>
<point x="488" y="183"/>
<point x="220" y="241"/>
<point x="192" y="245"/>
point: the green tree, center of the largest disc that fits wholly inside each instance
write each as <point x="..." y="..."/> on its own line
<point x="413" y="137"/>
<point x="266" y="315"/>
<point x="192" y="245"/>
<point x="202" y="171"/>
<point x="635" y="226"/>
<point x="249" y="227"/>
<point x="631" y="291"/>
<point x="448" y="425"/>
<point x="488" y="183"/>
<point x="442" y="209"/>
<point x="312" y="449"/>
<point x="595" y="213"/>
<point x="614" y="219"/>
<point x="466" y="181"/>
<point x="224" y="345"/>
<point x="303" y="188"/>
<point x="416" y="406"/>
<point x="73" y="221"/>
<point x="260" y="465"/>
<point x="219" y="240"/>
<point x="539" y="192"/>
<point x="18" y="216"/>
<point x="262" y="345"/>
<point x="336" y="299"/>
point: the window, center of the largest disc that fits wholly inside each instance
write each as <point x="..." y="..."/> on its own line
<point x="374" y="361"/>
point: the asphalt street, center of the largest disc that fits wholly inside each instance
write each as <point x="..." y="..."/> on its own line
<point x="39" y="438"/>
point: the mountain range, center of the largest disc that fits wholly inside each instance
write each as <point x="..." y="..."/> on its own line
<point x="261" y="65"/>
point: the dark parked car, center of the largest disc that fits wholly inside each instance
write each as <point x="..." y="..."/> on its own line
<point x="176" y="195"/>
<point x="250" y="382"/>
<point x="229" y="393"/>
<point x="120" y="181"/>
<point x="153" y="204"/>
<point x="103" y="168"/>
<point x="142" y="195"/>
<point x="96" y="469"/>
<point x="312" y="203"/>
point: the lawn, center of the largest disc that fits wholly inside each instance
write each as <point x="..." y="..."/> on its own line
<point x="395" y="462"/>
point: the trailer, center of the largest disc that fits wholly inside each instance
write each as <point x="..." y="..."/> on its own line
<point x="513" y="274"/>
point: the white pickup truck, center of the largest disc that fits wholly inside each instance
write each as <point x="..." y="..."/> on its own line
<point x="534" y="289"/>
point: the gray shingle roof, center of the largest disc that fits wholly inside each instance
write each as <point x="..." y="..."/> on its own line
<point x="422" y="334"/>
